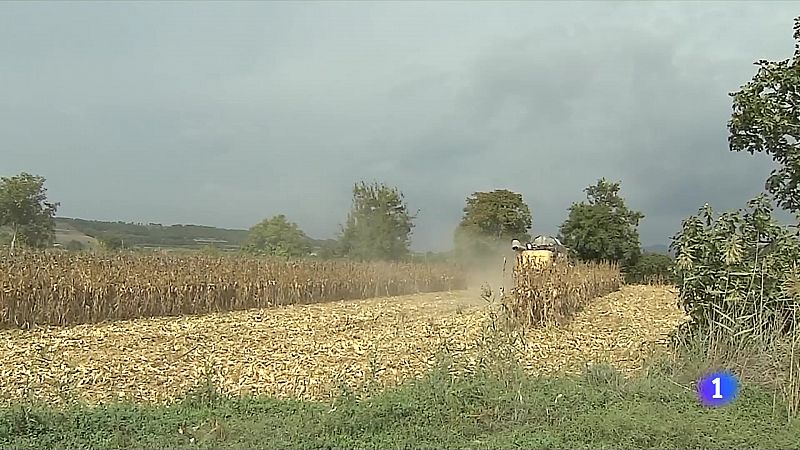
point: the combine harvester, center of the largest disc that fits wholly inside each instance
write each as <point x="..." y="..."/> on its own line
<point x="542" y="252"/>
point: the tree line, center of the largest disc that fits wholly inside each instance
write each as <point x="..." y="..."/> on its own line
<point x="379" y="224"/>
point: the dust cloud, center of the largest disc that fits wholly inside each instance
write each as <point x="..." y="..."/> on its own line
<point x="490" y="267"/>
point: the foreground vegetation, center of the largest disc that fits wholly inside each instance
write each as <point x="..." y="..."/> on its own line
<point x="490" y="409"/>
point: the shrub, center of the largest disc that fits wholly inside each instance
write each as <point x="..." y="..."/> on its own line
<point x="738" y="271"/>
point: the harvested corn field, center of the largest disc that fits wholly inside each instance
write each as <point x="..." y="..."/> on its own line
<point x="309" y="351"/>
<point x="67" y="289"/>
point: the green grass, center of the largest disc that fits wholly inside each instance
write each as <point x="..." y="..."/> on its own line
<point x="599" y="410"/>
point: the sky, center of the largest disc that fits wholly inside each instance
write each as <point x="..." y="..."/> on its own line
<point x="227" y="113"/>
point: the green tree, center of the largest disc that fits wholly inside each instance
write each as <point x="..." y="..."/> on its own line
<point x="766" y="119"/>
<point x="490" y="221"/>
<point x="277" y="236"/>
<point x="25" y="210"/>
<point x="379" y="224"/>
<point x="603" y="228"/>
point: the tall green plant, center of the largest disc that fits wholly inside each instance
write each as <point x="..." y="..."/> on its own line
<point x="738" y="271"/>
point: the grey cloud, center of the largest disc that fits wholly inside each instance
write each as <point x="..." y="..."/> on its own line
<point x="225" y="114"/>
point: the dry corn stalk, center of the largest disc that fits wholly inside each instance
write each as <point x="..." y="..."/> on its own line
<point x="553" y="293"/>
<point x="67" y="289"/>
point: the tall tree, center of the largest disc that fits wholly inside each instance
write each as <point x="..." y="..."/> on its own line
<point x="379" y="224"/>
<point x="501" y="214"/>
<point x="766" y="119"/>
<point x="277" y="236"/>
<point x="25" y="210"/>
<point x="490" y="221"/>
<point x="602" y="227"/>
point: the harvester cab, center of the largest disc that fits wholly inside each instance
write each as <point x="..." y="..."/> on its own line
<point x="540" y="252"/>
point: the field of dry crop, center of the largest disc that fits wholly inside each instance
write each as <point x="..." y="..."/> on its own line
<point x="68" y="288"/>
<point x="553" y="294"/>
<point x="308" y="351"/>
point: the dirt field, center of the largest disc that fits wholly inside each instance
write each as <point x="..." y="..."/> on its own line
<point x="308" y="351"/>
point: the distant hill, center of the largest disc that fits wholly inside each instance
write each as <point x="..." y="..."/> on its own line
<point x="88" y="232"/>
<point x="66" y="234"/>
<point x="148" y="235"/>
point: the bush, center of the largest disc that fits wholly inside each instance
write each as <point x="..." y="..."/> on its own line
<point x="651" y="268"/>
<point x="738" y="271"/>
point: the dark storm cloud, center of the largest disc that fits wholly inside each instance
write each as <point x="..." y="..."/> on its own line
<point x="564" y="112"/>
<point x="225" y="114"/>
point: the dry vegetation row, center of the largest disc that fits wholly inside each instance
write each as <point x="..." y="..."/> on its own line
<point x="66" y="289"/>
<point x="554" y="293"/>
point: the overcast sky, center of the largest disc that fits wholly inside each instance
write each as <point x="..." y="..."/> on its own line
<point x="226" y="113"/>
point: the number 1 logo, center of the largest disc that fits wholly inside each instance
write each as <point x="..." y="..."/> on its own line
<point x="717" y="389"/>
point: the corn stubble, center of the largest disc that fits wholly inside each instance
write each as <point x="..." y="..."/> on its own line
<point x="314" y="351"/>
<point x="552" y="294"/>
<point x="68" y="289"/>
